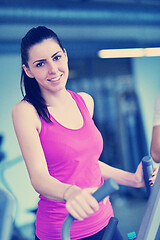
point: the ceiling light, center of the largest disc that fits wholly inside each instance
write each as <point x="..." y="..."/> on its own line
<point x="149" y="52"/>
<point x="129" y="52"/>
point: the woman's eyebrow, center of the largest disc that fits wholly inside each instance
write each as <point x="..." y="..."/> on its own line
<point x="55" y="54"/>
<point x="42" y="60"/>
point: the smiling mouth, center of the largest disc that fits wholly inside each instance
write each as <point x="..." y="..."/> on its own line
<point x="55" y="79"/>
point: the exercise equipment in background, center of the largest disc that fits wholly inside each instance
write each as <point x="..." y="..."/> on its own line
<point x="150" y="225"/>
<point x="106" y="189"/>
<point x="147" y="164"/>
<point x="7" y="212"/>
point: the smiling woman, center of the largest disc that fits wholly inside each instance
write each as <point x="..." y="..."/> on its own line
<point x="48" y="63"/>
<point x="60" y="143"/>
<point x="32" y="89"/>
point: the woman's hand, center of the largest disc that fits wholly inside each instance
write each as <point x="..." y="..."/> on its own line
<point x="80" y="203"/>
<point x="154" y="175"/>
<point x="140" y="178"/>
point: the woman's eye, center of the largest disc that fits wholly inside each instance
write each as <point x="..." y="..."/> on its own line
<point x="56" y="57"/>
<point x="40" y="64"/>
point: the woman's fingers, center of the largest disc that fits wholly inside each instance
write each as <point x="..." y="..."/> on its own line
<point x="105" y="200"/>
<point x="78" y="211"/>
<point x="75" y="211"/>
<point x="153" y="178"/>
<point x="82" y="205"/>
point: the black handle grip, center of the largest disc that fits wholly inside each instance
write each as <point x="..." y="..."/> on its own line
<point x="148" y="169"/>
<point x="106" y="189"/>
<point x="110" y="229"/>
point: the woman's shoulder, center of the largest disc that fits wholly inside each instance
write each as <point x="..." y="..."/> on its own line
<point x="25" y="112"/>
<point x="88" y="99"/>
<point x="23" y="107"/>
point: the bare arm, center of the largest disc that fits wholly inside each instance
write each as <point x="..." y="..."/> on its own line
<point x="120" y="176"/>
<point x="155" y="144"/>
<point x="79" y="202"/>
<point x="26" y="124"/>
<point x="123" y="177"/>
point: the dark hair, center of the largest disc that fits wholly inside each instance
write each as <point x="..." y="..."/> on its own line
<point x="32" y="90"/>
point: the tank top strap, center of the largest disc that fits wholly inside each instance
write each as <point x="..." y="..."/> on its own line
<point x="80" y="103"/>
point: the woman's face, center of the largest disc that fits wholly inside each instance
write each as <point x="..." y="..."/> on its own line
<point x="48" y="64"/>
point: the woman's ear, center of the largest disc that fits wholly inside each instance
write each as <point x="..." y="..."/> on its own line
<point x="65" y="53"/>
<point x="27" y="71"/>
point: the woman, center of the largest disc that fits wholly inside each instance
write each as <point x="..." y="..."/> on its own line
<point x="60" y="143"/>
<point x="155" y="143"/>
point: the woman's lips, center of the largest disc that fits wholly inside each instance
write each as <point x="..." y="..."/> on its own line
<point x="54" y="79"/>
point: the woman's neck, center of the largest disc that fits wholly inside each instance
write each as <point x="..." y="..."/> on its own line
<point x="57" y="99"/>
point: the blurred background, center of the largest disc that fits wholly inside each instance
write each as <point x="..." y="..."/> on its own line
<point x="124" y="88"/>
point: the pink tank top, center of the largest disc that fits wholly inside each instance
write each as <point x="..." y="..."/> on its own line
<point x="72" y="157"/>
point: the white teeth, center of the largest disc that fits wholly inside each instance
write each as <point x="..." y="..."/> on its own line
<point x="54" y="79"/>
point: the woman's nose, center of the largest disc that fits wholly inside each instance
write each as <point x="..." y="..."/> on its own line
<point x="52" y="68"/>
